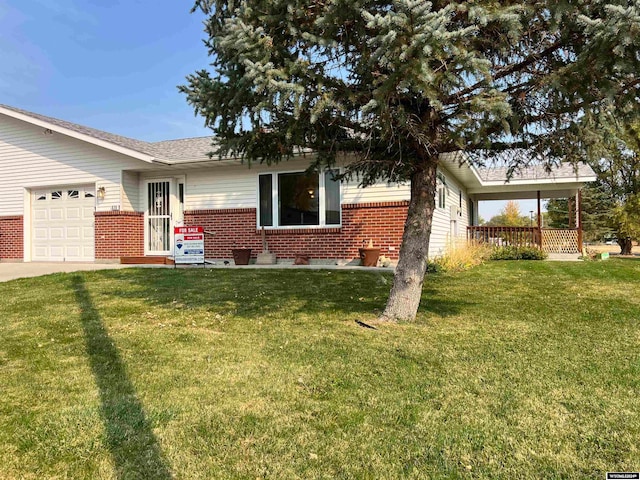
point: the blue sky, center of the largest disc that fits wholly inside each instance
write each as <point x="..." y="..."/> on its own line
<point x="112" y="65"/>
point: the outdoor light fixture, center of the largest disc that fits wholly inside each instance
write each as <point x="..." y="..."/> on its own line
<point x="101" y="192"/>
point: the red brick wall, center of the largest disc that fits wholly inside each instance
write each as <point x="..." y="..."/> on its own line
<point x="236" y="228"/>
<point x="12" y="237"/>
<point x="119" y="234"/>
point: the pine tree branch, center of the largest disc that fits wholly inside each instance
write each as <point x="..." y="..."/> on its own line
<point x="457" y="97"/>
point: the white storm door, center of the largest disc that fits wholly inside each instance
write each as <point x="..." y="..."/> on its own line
<point x="158" y="217"/>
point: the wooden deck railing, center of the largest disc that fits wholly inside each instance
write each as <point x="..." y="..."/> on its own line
<point x="551" y="240"/>
<point x="503" y="236"/>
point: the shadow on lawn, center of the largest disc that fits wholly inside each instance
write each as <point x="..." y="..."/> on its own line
<point x="250" y="293"/>
<point x="133" y="445"/>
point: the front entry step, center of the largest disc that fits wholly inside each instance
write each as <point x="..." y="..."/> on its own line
<point x="146" y="261"/>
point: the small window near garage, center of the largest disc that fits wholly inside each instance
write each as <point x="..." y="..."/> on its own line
<point x="73" y="194"/>
<point x="56" y="195"/>
<point x="88" y="195"/>
<point x="42" y="197"/>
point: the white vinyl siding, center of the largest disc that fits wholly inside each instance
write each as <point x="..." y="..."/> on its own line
<point x="29" y="159"/>
<point x="222" y="188"/>
<point x="380" y="192"/>
<point x="441" y="227"/>
<point x="131" y="192"/>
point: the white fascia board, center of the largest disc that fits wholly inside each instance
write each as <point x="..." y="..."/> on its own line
<point x="531" y="187"/>
<point x="538" y="181"/>
<point x="81" y="136"/>
<point x="216" y="162"/>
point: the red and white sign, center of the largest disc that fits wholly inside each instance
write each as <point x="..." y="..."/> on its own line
<point x="189" y="244"/>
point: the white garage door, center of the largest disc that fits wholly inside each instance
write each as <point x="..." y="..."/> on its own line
<point x="63" y="224"/>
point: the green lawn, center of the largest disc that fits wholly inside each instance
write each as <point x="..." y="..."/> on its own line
<point x="512" y="370"/>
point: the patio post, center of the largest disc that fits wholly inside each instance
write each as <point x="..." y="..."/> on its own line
<point x="539" y="222"/>
<point x="579" y="218"/>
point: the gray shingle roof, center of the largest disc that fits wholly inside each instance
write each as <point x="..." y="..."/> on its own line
<point x="536" y="172"/>
<point x="185" y="149"/>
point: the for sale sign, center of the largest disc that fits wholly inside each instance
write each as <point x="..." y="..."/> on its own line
<point x="189" y="244"/>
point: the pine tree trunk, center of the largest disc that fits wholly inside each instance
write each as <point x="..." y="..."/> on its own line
<point x="626" y="245"/>
<point x="406" y="291"/>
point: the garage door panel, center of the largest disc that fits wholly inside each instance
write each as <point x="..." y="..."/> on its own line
<point x="73" y="252"/>
<point x="73" y="213"/>
<point x="56" y="214"/>
<point x="73" y="233"/>
<point x="40" y="214"/>
<point x="87" y="212"/>
<point x="56" y="233"/>
<point x="63" y="224"/>
<point x="41" y="234"/>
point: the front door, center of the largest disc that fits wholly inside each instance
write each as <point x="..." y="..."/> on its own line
<point x="158" y="217"/>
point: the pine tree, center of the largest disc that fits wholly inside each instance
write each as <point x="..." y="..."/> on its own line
<point x="597" y="210"/>
<point x="397" y="84"/>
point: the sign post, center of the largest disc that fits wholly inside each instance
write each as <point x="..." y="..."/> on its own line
<point x="189" y="245"/>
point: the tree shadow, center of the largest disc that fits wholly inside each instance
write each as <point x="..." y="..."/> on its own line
<point x="133" y="446"/>
<point x="254" y="293"/>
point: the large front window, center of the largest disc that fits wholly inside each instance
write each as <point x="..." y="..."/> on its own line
<point x="299" y="199"/>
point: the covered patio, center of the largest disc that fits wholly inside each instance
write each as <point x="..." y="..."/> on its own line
<point x="551" y="240"/>
<point x="531" y="183"/>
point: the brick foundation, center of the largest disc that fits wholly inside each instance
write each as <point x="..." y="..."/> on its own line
<point x="236" y="228"/>
<point x="119" y="234"/>
<point x="12" y="238"/>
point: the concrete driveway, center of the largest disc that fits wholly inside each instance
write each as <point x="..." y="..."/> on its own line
<point x="10" y="271"/>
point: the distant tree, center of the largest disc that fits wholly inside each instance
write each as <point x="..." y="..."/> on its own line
<point x="399" y="83"/>
<point x="597" y="210"/>
<point x="558" y="213"/>
<point x="616" y="162"/>
<point x="618" y="172"/>
<point x="626" y="218"/>
<point x="510" y="216"/>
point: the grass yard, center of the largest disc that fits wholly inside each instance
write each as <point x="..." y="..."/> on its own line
<point x="521" y="370"/>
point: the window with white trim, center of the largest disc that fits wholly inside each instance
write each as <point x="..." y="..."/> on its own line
<point x="298" y="199"/>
